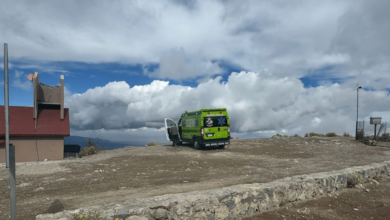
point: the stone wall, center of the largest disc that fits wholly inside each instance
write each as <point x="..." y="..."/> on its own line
<point x="235" y="201"/>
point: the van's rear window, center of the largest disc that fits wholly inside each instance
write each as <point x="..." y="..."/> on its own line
<point x="216" y="121"/>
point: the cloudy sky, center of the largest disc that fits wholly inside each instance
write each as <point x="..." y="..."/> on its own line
<point x="287" y="67"/>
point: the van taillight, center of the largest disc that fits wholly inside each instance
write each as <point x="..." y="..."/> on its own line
<point x="228" y="129"/>
<point x="201" y="131"/>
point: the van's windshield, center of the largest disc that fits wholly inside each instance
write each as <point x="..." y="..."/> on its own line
<point x="215" y="121"/>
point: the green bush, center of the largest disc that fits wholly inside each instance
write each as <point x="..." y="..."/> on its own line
<point x="237" y="138"/>
<point x="296" y="135"/>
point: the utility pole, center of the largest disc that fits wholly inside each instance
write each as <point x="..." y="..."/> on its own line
<point x="10" y="150"/>
<point x="6" y="96"/>
<point x="357" y="109"/>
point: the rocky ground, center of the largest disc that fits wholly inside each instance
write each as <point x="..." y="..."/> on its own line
<point x="137" y="172"/>
<point x="370" y="202"/>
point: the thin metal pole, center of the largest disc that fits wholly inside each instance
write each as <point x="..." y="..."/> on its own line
<point x="12" y="183"/>
<point x="6" y="96"/>
<point x="357" y="111"/>
<point x="357" y="104"/>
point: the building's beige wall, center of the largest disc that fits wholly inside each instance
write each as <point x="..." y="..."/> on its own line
<point x="51" y="148"/>
<point x="2" y="153"/>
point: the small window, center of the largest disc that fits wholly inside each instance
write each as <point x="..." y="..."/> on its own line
<point x="170" y="123"/>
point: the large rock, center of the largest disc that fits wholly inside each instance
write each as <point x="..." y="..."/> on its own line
<point x="160" y="214"/>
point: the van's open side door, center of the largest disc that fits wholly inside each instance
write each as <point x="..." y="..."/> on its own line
<point x="168" y="124"/>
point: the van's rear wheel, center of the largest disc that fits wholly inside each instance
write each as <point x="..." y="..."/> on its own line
<point x="196" y="144"/>
<point x="221" y="146"/>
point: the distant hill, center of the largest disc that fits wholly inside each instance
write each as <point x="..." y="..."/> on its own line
<point x="102" y="144"/>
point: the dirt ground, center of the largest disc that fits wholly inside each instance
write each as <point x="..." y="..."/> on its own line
<point x="136" y="172"/>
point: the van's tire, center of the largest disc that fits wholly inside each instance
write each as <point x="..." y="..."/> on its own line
<point x="197" y="146"/>
<point x="221" y="146"/>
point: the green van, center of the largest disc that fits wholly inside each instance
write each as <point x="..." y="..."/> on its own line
<point x="202" y="128"/>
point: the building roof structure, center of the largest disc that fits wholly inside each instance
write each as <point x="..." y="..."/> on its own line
<point x="48" y="122"/>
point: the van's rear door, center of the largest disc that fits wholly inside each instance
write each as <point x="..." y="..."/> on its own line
<point x="215" y="127"/>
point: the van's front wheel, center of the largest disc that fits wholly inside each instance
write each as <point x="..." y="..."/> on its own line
<point x="196" y="144"/>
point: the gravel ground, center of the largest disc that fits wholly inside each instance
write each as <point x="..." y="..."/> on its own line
<point x="135" y="172"/>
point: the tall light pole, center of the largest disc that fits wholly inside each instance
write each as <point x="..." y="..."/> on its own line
<point x="357" y="109"/>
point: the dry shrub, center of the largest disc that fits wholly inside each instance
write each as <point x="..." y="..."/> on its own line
<point x="352" y="181"/>
<point x="152" y="144"/>
<point x="331" y="134"/>
<point x="88" y="151"/>
<point x="378" y="178"/>
<point x="237" y="138"/>
<point x="346" y="134"/>
<point x="312" y="134"/>
<point x="88" y="216"/>
<point x="276" y="135"/>
<point x="296" y="135"/>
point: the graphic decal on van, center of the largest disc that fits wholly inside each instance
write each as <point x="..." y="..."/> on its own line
<point x="209" y="122"/>
<point x="197" y="123"/>
<point x="190" y="123"/>
<point x="221" y="121"/>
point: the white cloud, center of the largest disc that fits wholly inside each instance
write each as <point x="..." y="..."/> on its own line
<point x="21" y="81"/>
<point x="67" y="92"/>
<point x="177" y="64"/>
<point x="10" y="66"/>
<point x="362" y="34"/>
<point x="315" y="122"/>
<point x="256" y="102"/>
<point x="289" y="38"/>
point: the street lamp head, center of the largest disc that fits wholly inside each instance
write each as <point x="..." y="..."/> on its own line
<point x="359" y="87"/>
